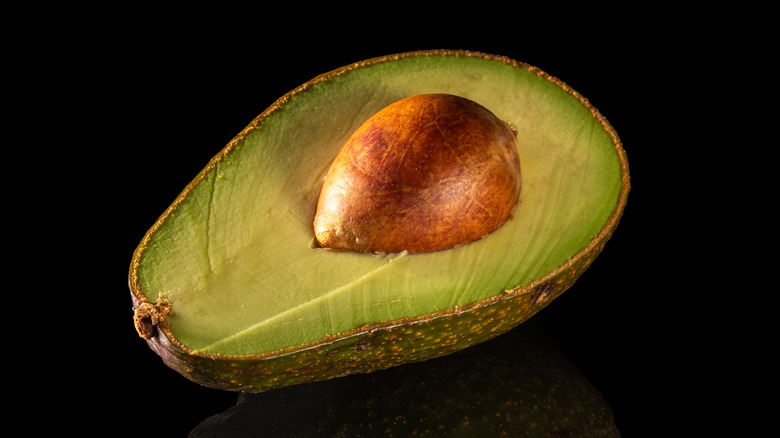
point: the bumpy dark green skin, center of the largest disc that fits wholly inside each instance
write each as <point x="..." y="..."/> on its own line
<point x="519" y="385"/>
<point x="372" y="348"/>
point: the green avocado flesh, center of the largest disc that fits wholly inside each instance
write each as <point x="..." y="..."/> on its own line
<point x="235" y="258"/>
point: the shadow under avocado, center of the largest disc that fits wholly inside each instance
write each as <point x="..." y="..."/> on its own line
<point x="519" y="384"/>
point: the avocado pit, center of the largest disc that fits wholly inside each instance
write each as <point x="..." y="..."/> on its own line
<point x="427" y="173"/>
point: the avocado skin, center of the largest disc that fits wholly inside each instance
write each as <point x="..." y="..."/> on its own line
<point x="377" y="347"/>
<point x="519" y="384"/>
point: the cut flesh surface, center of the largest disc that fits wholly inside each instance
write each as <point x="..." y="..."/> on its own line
<point x="235" y="257"/>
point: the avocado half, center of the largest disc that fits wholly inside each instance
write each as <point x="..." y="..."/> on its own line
<point x="231" y="290"/>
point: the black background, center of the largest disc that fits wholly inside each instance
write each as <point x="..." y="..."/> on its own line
<point x="130" y="113"/>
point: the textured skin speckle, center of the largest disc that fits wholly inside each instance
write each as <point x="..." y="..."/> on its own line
<point x="519" y="385"/>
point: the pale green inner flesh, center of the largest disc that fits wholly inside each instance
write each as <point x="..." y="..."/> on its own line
<point x="236" y="259"/>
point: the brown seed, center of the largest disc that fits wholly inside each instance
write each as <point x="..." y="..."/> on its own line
<point x="426" y="173"/>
